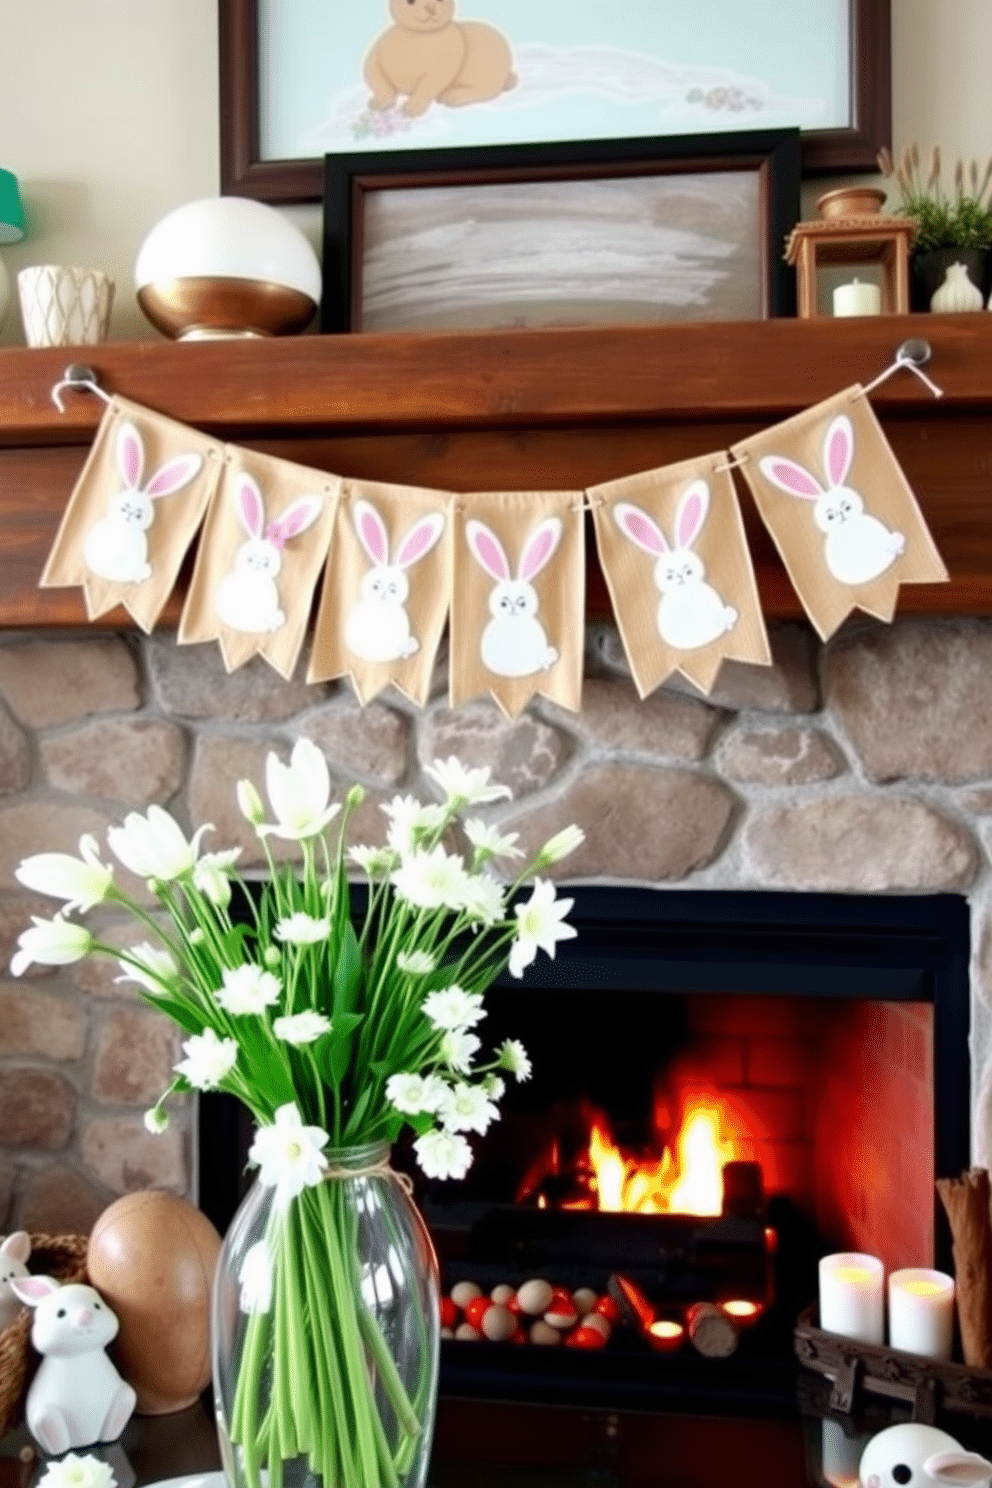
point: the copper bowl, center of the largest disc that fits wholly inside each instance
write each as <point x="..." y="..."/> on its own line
<point x="200" y="309"/>
<point x="851" y="201"/>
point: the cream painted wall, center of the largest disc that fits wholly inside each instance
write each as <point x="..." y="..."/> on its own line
<point x="110" y="118"/>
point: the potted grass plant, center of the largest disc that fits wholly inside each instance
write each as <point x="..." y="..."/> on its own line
<point x="953" y="226"/>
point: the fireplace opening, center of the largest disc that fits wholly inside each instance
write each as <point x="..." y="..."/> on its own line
<point x="725" y="1086"/>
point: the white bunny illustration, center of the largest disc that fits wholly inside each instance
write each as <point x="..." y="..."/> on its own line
<point x="858" y="547"/>
<point x="690" y="612"/>
<point x="513" y="643"/>
<point x="116" y="547"/>
<point x="14" y="1251"/>
<point x="247" y="598"/>
<point x="378" y="626"/>
<point x="77" y="1397"/>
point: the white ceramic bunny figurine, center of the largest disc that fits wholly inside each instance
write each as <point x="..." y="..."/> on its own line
<point x="247" y="598"/>
<point x="77" y="1397"/>
<point x="14" y="1251"/>
<point x="690" y="612"/>
<point x="116" y="547"/>
<point x="514" y="644"/>
<point x="378" y="626"/>
<point x="857" y="547"/>
<point x="923" y="1457"/>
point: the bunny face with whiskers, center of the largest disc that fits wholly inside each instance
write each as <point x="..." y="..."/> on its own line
<point x="378" y="625"/>
<point x="247" y="598"/>
<point x="514" y="643"/>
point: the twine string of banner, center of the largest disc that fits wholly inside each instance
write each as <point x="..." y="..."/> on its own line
<point x="381" y="1169"/>
<point x="81" y="380"/>
<point x="911" y="355"/>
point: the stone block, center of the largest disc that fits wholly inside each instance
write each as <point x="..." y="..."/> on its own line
<point x="29" y="827"/>
<point x="123" y="1156"/>
<point x="50" y="682"/>
<point x="190" y="682"/>
<point x="664" y="724"/>
<point x="135" y="1054"/>
<point x="915" y="698"/>
<point x="60" y="1201"/>
<point x="524" y="753"/>
<point x="369" y="743"/>
<point x="37" y="1109"/>
<point x="131" y="760"/>
<point x="15" y="756"/>
<point x="642" y="824"/>
<point x="219" y="762"/>
<point x="98" y="975"/>
<point x="788" y="685"/>
<point x="858" y="844"/>
<point x="756" y="755"/>
<point x="40" y="1023"/>
<point x="6" y="1197"/>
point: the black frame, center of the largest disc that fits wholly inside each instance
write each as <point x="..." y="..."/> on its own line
<point x="773" y="154"/>
<point x="244" y="173"/>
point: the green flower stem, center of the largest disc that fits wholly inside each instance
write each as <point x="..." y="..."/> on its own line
<point x="336" y="1447"/>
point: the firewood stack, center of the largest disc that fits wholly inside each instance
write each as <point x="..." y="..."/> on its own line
<point x="967" y="1200"/>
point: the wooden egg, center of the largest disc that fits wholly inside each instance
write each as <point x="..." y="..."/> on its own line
<point x="585" y="1300"/>
<point x="586" y="1338"/>
<point x="466" y="1333"/>
<point x="503" y="1293"/>
<point x="152" y="1256"/>
<point x="598" y="1321"/>
<point x="543" y="1333"/>
<point x="476" y="1310"/>
<point x="449" y="1313"/>
<point x="463" y="1292"/>
<point x="534" y="1296"/>
<point x="498" y="1323"/>
<point x="561" y="1311"/>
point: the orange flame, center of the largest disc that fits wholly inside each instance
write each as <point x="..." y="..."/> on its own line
<point x="688" y="1182"/>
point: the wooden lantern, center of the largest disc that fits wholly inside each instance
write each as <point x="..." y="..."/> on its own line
<point x="870" y="239"/>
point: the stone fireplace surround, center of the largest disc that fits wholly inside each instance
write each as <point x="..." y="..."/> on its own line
<point x="862" y="766"/>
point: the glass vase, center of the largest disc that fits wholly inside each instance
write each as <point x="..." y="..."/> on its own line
<point x="326" y="1333"/>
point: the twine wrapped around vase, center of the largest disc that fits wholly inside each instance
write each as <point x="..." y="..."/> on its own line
<point x="64" y="1258"/>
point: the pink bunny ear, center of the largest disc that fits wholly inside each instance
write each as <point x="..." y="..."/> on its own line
<point x="539" y="547"/>
<point x="487" y="549"/>
<point x="17" y="1246"/>
<point x="838" y="449"/>
<point x="173" y="475"/>
<point x="371" y="531"/>
<point x="690" y="513"/>
<point x="298" y="516"/>
<point x="32" y="1289"/>
<point x="130" y="455"/>
<point x="250" y="505"/>
<point x="640" y="528"/>
<point x="420" y="539"/>
<point x="791" y="478"/>
<point x="958" y="1467"/>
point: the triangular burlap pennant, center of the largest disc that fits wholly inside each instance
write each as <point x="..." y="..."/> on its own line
<point x="672" y="548"/>
<point x="263" y="545"/>
<point x="133" y="512"/>
<point x="841" y="512"/>
<point x="518" y="598"/>
<point x="385" y="598"/>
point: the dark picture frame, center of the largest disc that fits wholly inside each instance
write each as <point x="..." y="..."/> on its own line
<point x="244" y="173"/>
<point x="771" y="156"/>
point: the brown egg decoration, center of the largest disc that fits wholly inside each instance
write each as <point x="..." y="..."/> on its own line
<point x="152" y="1256"/>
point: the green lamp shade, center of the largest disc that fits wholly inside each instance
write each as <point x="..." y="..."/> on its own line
<point x="11" y="212"/>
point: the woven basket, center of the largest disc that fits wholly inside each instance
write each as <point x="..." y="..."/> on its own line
<point x="61" y="1256"/>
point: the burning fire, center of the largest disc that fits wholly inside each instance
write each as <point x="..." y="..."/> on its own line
<point x="688" y="1181"/>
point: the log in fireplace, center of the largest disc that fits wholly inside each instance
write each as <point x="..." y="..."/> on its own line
<point x="826" y="1035"/>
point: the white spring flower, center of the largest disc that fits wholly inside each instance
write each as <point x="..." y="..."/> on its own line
<point x="431" y="880"/>
<point x="301" y="1028"/>
<point x="247" y="989"/>
<point x="443" y="1154"/>
<point x="458" y="1049"/>
<point x="288" y="1155"/>
<point x="298" y="793"/>
<point x="72" y="1471"/>
<point x="157" y="1120"/>
<point x="465" y="786"/>
<point x="494" y="1087"/>
<point x="484" y="899"/>
<point x="208" y="1059"/>
<point x="514" y="1058"/>
<point x="54" y="942"/>
<point x="82" y="882"/>
<point x="250" y="803"/>
<point x="490" y="842"/>
<point x="539" y="926"/>
<point x="559" y="846"/>
<point x="416" y="963"/>
<point x="409" y="822"/>
<point x="301" y="929"/>
<point x="375" y="862"/>
<point x="156" y="972"/>
<point x="467" y="1108"/>
<point x="211" y="875"/>
<point x="155" y="846"/>
<point x="413" y="1094"/>
<point x="452" y="1008"/>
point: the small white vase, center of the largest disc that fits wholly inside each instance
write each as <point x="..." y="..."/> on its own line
<point x="957" y="293"/>
<point x="64" y="306"/>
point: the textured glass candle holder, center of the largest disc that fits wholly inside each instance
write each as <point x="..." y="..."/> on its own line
<point x="64" y="306"/>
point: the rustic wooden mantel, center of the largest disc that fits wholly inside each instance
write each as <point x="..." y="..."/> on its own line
<point x="517" y="410"/>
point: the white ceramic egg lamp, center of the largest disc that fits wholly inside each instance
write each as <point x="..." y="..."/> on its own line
<point x="11" y="230"/>
<point x="227" y="266"/>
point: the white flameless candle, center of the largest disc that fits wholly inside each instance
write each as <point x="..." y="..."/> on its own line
<point x="852" y="1296"/>
<point x="921" y="1312"/>
<point x="857" y="299"/>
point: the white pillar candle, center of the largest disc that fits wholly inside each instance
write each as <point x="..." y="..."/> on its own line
<point x="852" y="1296"/>
<point x="921" y="1312"/>
<point x="857" y="299"/>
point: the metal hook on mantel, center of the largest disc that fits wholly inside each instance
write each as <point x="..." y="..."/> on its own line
<point x="83" y="379"/>
<point x="912" y="355"/>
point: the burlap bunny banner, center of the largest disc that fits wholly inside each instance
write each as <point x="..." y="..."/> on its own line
<point x="676" y="561"/>
<point x="841" y="512"/>
<point x="518" y="598"/>
<point x="385" y="597"/>
<point x="133" y="512"/>
<point x="264" y="543"/>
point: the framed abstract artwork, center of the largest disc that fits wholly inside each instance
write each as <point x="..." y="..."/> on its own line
<point x="304" y="80"/>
